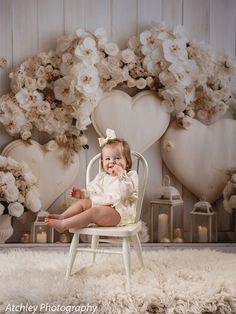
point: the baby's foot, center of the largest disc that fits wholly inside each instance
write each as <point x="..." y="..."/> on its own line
<point x="57" y="224"/>
<point x="53" y="216"/>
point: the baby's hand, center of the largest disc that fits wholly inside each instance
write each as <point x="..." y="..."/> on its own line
<point x="76" y="193"/>
<point x="117" y="170"/>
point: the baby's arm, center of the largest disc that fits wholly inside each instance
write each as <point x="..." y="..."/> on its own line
<point x="129" y="185"/>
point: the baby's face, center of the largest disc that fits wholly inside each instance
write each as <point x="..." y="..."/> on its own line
<point x="113" y="155"/>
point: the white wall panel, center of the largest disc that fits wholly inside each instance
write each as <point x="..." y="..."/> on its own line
<point x="172" y="12"/>
<point x="25" y="31"/>
<point x="148" y="12"/>
<point x="50" y="23"/>
<point x="196" y="19"/>
<point x="123" y="21"/>
<point x="74" y="15"/>
<point x="222" y="34"/>
<point x="5" y="43"/>
<point x="30" y="26"/>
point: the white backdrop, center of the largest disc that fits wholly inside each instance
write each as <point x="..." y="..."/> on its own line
<point x="30" y="26"/>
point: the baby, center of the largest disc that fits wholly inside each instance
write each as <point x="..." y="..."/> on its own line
<point x="110" y="199"/>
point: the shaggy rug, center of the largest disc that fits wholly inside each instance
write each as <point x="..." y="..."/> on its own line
<point x="180" y="281"/>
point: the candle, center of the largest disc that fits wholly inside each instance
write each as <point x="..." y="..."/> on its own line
<point x="163" y="227"/>
<point x="41" y="237"/>
<point x="178" y="235"/>
<point x="202" y="234"/>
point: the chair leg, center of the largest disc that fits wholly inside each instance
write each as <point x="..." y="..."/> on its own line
<point x="72" y="254"/>
<point x="94" y="245"/>
<point x="126" y="258"/>
<point x="138" y="249"/>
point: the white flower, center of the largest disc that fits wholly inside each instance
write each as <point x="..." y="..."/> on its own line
<point x="64" y="43"/>
<point x="127" y="56"/>
<point x="10" y="193"/>
<point x="167" y="78"/>
<point x="28" y="99"/>
<point x="87" y="51"/>
<point x="44" y="108"/>
<point x="32" y="200"/>
<point x="175" y="50"/>
<point x="41" y="83"/>
<point x="67" y="63"/>
<point x="15" y="209"/>
<point x="187" y="122"/>
<point x="133" y="42"/>
<point x="30" y="83"/>
<point x="149" y="41"/>
<point x="141" y="83"/>
<point x="100" y="33"/>
<point x="82" y="115"/>
<point x="9" y="178"/>
<point x="2" y="208"/>
<point x="111" y="49"/>
<point x="174" y="99"/>
<point x="180" y="74"/>
<point x="64" y="90"/>
<point x="51" y="146"/>
<point x="87" y="81"/>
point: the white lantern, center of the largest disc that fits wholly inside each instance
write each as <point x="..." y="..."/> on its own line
<point x="41" y="232"/>
<point x="203" y="223"/>
<point x="170" y="225"/>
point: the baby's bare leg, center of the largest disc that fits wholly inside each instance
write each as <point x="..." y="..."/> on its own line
<point x="105" y="216"/>
<point x="76" y="208"/>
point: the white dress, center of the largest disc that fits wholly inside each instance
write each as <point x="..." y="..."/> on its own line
<point x="120" y="192"/>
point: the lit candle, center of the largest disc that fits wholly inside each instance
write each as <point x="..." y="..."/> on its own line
<point x="202" y="234"/>
<point x="163" y="227"/>
<point x="41" y="237"/>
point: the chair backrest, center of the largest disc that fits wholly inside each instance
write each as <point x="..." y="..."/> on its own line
<point x="139" y="164"/>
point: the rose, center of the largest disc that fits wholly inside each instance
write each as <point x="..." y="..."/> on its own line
<point x="15" y="209"/>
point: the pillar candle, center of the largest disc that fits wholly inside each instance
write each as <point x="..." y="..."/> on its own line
<point x="41" y="237"/>
<point x="202" y="234"/>
<point x="163" y="227"/>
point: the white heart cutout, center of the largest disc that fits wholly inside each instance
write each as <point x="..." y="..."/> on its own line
<point x="199" y="155"/>
<point x="54" y="177"/>
<point x="140" y="120"/>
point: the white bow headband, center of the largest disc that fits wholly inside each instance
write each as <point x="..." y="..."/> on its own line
<point x="110" y="136"/>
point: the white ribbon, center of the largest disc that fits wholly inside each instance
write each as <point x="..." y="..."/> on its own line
<point x="110" y="136"/>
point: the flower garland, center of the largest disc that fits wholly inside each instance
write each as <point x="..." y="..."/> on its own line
<point x="56" y="92"/>
<point x="18" y="188"/>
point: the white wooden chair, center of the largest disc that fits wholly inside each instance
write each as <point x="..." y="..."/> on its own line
<point x="123" y="234"/>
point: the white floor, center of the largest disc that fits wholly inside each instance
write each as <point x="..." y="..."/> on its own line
<point x="223" y="247"/>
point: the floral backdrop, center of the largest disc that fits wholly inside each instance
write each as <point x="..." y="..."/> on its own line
<point x="55" y="92"/>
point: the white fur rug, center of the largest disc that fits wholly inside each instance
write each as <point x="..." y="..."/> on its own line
<point x="181" y="281"/>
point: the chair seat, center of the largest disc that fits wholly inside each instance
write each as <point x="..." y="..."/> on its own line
<point x="123" y="231"/>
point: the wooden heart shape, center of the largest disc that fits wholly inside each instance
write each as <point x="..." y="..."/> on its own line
<point x="140" y="120"/>
<point x="199" y="155"/>
<point x="54" y="177"/>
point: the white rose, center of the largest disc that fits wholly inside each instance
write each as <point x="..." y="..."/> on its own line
<point x="141" y="83"/>
<point x="15" y="209"/>
<point x="44" y="108"/>
<point x="41" y="83"/>
<point x="32" y="200"/>
<point x="11" y="193"/>
<point x="51" y="146"/>
<point x="25" y="135"/>
<point x="2" y="208"/>
<point x="9" y="178"/>
<point x="3" y="161"/>
<point x="127" y="56"/>
<point x="111" y="49"/>
<point x="30" y="83"/>
<point x="186" y="122"/>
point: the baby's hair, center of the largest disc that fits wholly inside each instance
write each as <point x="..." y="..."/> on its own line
<point x="126" y="150"/>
